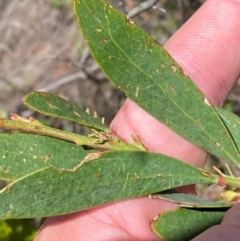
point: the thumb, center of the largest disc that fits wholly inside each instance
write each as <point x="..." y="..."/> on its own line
<point x="228" y="230"/>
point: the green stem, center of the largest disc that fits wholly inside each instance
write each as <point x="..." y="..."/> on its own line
<point x="36" y="127"/>
<point x="231" y="181"/>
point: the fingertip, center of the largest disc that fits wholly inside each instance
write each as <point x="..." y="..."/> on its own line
<point x="232" y="217"/>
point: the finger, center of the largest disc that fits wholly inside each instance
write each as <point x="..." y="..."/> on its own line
<point x="210" y="51"/>
<point x="207" y="47"/>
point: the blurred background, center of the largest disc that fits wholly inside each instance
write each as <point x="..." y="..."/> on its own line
<point x="41" y="48"/>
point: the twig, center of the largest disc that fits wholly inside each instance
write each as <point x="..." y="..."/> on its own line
<point x="64" y="80"/>
<point x="141" y="8"/>
<point x="122" y="6"/>
<point x="234" y="98"/>
<point x="86" y="54"/>
<point x="180" y="8"/>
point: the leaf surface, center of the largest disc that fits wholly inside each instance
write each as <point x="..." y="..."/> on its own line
<point x="52" y="105"/>
<point x="150" y="77"/>
<point x="113" y="176"/>
<point x="185" y="224"/>
<point x="232" y="122"/>
<point x="22" y="154"/>
<point x="191" y="201"/>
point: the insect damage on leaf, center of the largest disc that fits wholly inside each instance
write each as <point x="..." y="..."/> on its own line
<point x="53" y="107"/>
<point x="129" y="21"/>
<point x="172" y="89"/>
<point x="77" y="114"/>
<point x="109" y="5"/>
<point x="89" y="157"/>
<point x="174" y="68"/>
<point x="137" y="91"/>
<point x="218" y="144"/>
<point x="45" y="94"/>
<point x="206" y="101"/>
<point x="206" y="174"/>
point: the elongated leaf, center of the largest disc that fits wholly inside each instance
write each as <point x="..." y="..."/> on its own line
<point x="22" y="154"/>
<point x="191" y="201"/>
<point x="185" y="224"/>
<point x="52" y="105"/>
<point x="151" y="78"/>
<point x="114" y="176"/>
<point x="232" y="122"/>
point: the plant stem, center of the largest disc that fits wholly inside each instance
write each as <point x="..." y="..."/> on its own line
<point x="232" y="181"/>
<point x="36" y="127"/>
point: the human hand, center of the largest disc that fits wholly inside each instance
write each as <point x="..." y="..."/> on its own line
<point x="208" y="49"/>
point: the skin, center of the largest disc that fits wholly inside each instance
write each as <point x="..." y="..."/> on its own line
<point x="208" y="48"/>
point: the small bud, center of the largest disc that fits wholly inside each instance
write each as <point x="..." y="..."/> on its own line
<point x="229" y="195"/>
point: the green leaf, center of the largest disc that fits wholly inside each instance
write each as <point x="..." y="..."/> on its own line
<point x="232" y="122"/>
<point x="22" y="154"/>
<point x="115" y="175"/>
<point x="185" y="224"/>
<point x="191" y="201"/>
<point x="151" y="78"/>
<point x="52" y="105"/>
